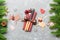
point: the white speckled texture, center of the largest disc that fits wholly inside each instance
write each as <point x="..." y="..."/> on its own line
<point x="19" y="6"/>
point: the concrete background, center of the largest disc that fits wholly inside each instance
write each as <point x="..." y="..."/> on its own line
<point x="18" y="7"/>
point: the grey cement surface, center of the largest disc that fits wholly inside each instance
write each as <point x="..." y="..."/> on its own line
<point x="19" y="6"/>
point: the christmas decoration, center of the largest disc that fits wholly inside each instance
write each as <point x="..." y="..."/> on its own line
<point x="42" y="11"/>
<point x="3" y="21"/>
<point x="50" y="24"/>
<point x="41" y="23"/>
<point x="55" y="8"/>
<point x="15" y="18"/>
<point x="29" y="19"/>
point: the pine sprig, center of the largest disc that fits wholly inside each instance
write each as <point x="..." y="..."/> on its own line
<point x="3" y="22"/>
<point x="55" y="8"/>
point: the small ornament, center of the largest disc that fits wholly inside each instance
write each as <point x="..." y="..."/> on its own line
<point x="4" y="23"/>
<point x="42" y="11"/>
<point x="50" y="24"/>
<point x="16" y="18"/>
<point x="41" y="23"/>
